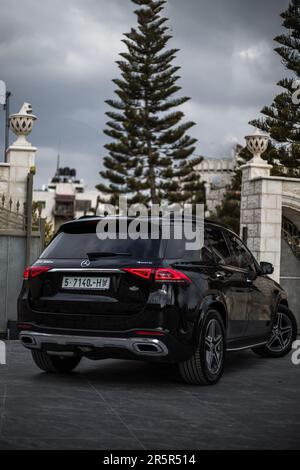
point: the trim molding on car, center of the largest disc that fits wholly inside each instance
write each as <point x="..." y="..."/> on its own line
<point x="140" y="346"/>
<point x="247" y="347"/>
<point x="87" y="270"/>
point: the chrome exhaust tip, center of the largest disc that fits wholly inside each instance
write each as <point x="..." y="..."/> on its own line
<point x="27" y="340"/>
<point x="149" y="348"/>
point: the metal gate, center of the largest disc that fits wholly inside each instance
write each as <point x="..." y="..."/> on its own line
<point x="290" y="265"/>
<point x="20" y="244"/>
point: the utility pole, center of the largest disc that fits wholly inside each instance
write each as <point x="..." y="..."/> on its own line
<point x="57" y="163"/>
<point x="7" y="111"/>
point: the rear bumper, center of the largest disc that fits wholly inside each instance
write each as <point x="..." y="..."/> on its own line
<point x="61" y="343"/>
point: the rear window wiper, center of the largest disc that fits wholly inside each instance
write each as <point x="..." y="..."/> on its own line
<point x="106" y="254"/>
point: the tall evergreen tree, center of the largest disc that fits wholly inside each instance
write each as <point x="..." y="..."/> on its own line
<point x="282" y="118"/>
<point x="149" y="157"/>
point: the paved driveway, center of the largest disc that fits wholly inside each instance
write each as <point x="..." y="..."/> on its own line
<point x="131" y="405"/>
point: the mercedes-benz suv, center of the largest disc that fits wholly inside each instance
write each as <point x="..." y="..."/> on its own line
<point x="151" y="299"/>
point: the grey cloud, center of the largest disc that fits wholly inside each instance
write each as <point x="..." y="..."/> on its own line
<point x="62" y="60"/>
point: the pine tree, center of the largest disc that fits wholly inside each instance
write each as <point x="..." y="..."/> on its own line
<point x="282" y="118"/>
<point x="149" y="155"/>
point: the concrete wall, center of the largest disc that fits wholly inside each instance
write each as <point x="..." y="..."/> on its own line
<point x="290" y="278"/>
<point x="12" y="262"/>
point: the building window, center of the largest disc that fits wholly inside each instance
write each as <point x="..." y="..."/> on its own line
<point x="83" y="205"/>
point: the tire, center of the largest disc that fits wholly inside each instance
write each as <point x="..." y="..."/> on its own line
<point x="206" y="365"/>
<point x="284" y="333"/>
<point x="54" y="363"/>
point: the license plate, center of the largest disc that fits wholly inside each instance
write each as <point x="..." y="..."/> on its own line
<point x="95" y="283"/>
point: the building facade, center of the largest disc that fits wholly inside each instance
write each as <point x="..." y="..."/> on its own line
<point x="217" y="174"/>
<point x="65" y="198"/>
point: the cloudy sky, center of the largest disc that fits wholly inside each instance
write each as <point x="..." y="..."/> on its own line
<point x="62" y="60"/>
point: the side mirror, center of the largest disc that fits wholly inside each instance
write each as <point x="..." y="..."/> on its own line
<point x="266" y="268"/>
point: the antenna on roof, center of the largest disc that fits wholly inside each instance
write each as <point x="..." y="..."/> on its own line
<point x="58" y="163"/>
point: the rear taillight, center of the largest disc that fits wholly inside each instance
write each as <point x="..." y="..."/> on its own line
<point x="168" y="274"/>
<point x="159" y="274"/>
<point x="26" y="273"/>
<point x="145" y="273"/>
<point x="34" y="271"/>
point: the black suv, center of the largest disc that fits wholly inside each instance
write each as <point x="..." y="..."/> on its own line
<point x="151" y="299"/>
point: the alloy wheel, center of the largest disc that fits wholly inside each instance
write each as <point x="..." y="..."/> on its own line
<point x="214" y="346"/>
<point x="282" y="332"/>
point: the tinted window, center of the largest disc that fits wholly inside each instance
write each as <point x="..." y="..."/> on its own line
<point x="76" y="240"/>
<point x="176" y="249"/>
<point x="240" y="257"/>
<point x="218" y="245"/>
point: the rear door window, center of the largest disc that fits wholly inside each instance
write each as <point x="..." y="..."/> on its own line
<point x="218" y="245"/>
<point x="240" y="256"/>
<point x="176" y="249"/>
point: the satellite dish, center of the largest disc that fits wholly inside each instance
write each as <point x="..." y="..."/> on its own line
<point x="2" y="92"/>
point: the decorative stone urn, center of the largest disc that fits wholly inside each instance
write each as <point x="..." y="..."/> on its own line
<point x="21" y="124"/>
<point x="257" y="144"/>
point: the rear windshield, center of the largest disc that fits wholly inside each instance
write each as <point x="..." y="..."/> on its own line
<point x="79" y="240"/>
<point x="75" y="242"/>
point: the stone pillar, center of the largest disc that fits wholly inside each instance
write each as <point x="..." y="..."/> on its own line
<point x="20" y="156"/>
<point x="261" y="213"/>
<point x="21" y="160"/>
<point x="261" y="205"/>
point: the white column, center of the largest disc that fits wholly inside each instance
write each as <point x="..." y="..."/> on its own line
<point x="20" y="156"/>
<point x="20" y="160"/>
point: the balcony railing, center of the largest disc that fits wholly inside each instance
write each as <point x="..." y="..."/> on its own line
<point x="64" y="210"/>
<point x="13" y="216"/>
